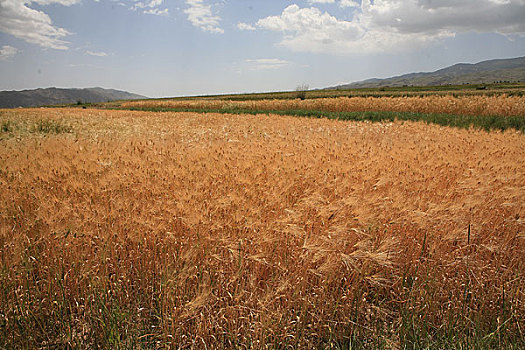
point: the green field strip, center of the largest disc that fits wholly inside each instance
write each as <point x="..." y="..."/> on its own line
<point x="487" y="123"/>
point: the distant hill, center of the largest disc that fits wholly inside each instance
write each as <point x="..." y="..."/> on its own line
<point x="511" y="70"/>
<point x="54" y="96"/>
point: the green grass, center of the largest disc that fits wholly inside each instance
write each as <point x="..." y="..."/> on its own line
<point x="459" y="121"/>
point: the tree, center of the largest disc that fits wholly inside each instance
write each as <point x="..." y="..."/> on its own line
<point x="301" y="91"/>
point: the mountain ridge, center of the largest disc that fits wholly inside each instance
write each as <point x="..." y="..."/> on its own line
<point x="484" y="72"/>
<point x="55" y="96"/>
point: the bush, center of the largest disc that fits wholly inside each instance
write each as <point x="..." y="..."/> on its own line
<point x="301" y="91"/>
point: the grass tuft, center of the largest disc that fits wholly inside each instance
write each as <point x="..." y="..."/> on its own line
<point x="49" y="126"/>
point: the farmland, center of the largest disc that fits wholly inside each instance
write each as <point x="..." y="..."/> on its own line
<point x="466" y="105"/>
<point x="512" y="89"/>
<point x="487" y="112"/>
<point x="146" y="229"/>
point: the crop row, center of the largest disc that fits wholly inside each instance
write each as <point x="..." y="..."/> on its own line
<point x="472" y="105"/>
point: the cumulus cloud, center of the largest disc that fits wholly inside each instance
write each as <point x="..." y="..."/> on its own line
<point x="33" y="26"/>
<point x="201" y="16"/>
<point x="266" y="63"/>
<point x="245" y="26"/>
<point x="392" y="25"/>
<point x="309" y="29"/>
<point x="6" y="52"/>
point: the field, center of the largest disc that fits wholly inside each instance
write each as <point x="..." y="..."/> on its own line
<point x="494" y="112"/>
<point x="510" y="89"/>
<point x="467" y="105"/>
<point x="141" y="229"/>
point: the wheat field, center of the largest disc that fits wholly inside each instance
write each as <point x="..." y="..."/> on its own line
<point x="500" y="105"/>
<point x="123" y="229"/>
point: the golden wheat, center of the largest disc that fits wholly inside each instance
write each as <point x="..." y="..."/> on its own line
<point x="215" y="231"/>
<point x="501" y="105"/>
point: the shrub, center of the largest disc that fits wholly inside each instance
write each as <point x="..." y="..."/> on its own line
<point x="301" y="91"/>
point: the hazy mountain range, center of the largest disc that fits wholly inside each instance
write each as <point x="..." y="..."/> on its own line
<point x="511" y="70"/>
<point x="54" y="96"/>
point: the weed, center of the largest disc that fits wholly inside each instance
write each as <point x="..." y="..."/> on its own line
<point x="7" y="126"/>
<point x="49" y="126"/>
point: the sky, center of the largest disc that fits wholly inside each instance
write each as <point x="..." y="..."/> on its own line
<point x="161" y="48"/>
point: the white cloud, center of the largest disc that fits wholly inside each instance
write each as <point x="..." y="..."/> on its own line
<point x="155" y="3"/>
<point x="309" y="29"/>
<point x="245" y="26"/>
<point x="97" y="54"/>
<point x="6" y="52"/>
<point x="266" y="63"/>
<point x="348" y="3"/>
<point x="157" y="12"/>
<point x="151" y="7"/>
<point x="392" y="25"/>
<point x="201" y="16"/>
<point x="33" y="26"/>
<point x="151" y="4"/>
<point x="321" y="1"/>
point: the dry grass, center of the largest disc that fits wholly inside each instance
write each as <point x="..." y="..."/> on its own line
<point x="501" y="105"/>
<point x="184" y="230"/>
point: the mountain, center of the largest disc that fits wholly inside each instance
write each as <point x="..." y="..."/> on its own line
<point x="511" y="70"/>
<point x="54" y="96"/>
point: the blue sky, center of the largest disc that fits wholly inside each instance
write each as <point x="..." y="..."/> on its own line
<point x="183" y="47"/>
